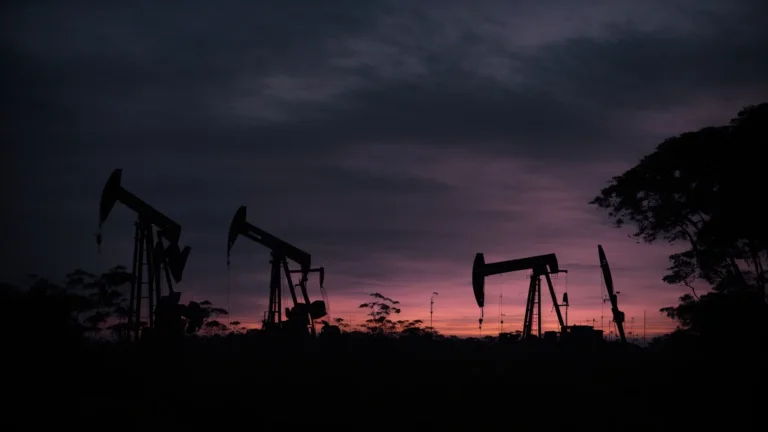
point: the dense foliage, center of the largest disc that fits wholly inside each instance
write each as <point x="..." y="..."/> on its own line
<point x="85" y="305"/>
<point x="704" y="189"/>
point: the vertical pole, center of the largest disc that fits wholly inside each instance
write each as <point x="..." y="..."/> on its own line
<point x="501" y="313"/>
<point x="538" y="292"/>
<point x="168" y="281"/>
<point x="602" y="315"/>
<point x="304" y="281"/>
<point x="274" y="314"/>
<point x="529" y="308"/>
<point x="134" y="280"/>
<point x="160" y="262"/>
<point x="431" y="302"/>
<point x="643" y="326"/>
<point x="139" y="282"/>
<point x="501" y="320"/>
<point x="555" y="304"/>
<point x="431" y="309"/>
<point x="152" y="275"/>
<point x="279" y="291"/>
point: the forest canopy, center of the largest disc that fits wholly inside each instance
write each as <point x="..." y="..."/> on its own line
<point x="703" y="189"/>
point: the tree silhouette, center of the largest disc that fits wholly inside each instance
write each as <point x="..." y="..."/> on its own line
<point x="380" y="310"/>
<point x="720" y="314"/>
<point x="697" y="188"/>
<point x="86" y="304"/>
<point x="414" y="328"/>
<point x="215" y="327"/>
<point x="341" y="324"/>
<point x="208" y="315"/>
<point x="210" y="312"/>
<point x="237" y="327"/>
<point x="103" y="295"/>
<point x="79" y="306"/>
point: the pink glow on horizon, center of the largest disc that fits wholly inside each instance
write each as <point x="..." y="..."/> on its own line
<point x="547" y="212"/>
<point x="456" y="313"/>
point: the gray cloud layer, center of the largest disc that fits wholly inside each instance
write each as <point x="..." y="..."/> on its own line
<point x="366" y="133"/>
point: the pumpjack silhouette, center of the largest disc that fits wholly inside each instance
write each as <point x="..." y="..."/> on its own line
<point x="301" y="318"/>
<point x="150" y="262"/>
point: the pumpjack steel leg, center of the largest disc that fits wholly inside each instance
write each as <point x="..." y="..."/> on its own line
<point x="134" y="280"/>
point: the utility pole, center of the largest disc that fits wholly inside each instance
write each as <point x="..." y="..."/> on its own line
<point x="431" y="308"/>
<point x="602" y="314"/>
<point x="501" y="320"/>
<point x="643" y="326"/>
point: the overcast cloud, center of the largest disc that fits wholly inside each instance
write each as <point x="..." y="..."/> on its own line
<point x="392" y="140"/>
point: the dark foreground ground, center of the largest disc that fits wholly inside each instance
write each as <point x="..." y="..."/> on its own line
<point x="363" y="384"/>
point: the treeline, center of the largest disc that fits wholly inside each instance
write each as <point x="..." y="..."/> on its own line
<point x="83" y="306"/>
<point x="87" y="306"/>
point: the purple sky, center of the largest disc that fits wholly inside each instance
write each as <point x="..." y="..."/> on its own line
<point x="392" y="142"/>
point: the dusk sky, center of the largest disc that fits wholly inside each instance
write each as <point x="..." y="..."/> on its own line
<point x="392" y="140"/>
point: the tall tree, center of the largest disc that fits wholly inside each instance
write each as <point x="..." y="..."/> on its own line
<point x="703" y="188"/>
<point x="102" y="295"/>
<point x="380" y="311"/>
<point x="209" y="315"/>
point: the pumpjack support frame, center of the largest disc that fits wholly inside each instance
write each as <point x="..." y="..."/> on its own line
<point x="150" y="258"/>
<point x="541" y="265"/>
<point x="281" y="251"/>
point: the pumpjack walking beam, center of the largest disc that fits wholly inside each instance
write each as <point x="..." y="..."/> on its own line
<point x="149" y="258"/>
<point x="541" y="265"/>
<point x="618" y="316"/>
<point x="281" y="252"/>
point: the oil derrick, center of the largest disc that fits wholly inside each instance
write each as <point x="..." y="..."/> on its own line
<point x="302" y="316"/>
<point x="541" y="265"/>
<point x="618" y="316"/>
<point x="150" y="258"/>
